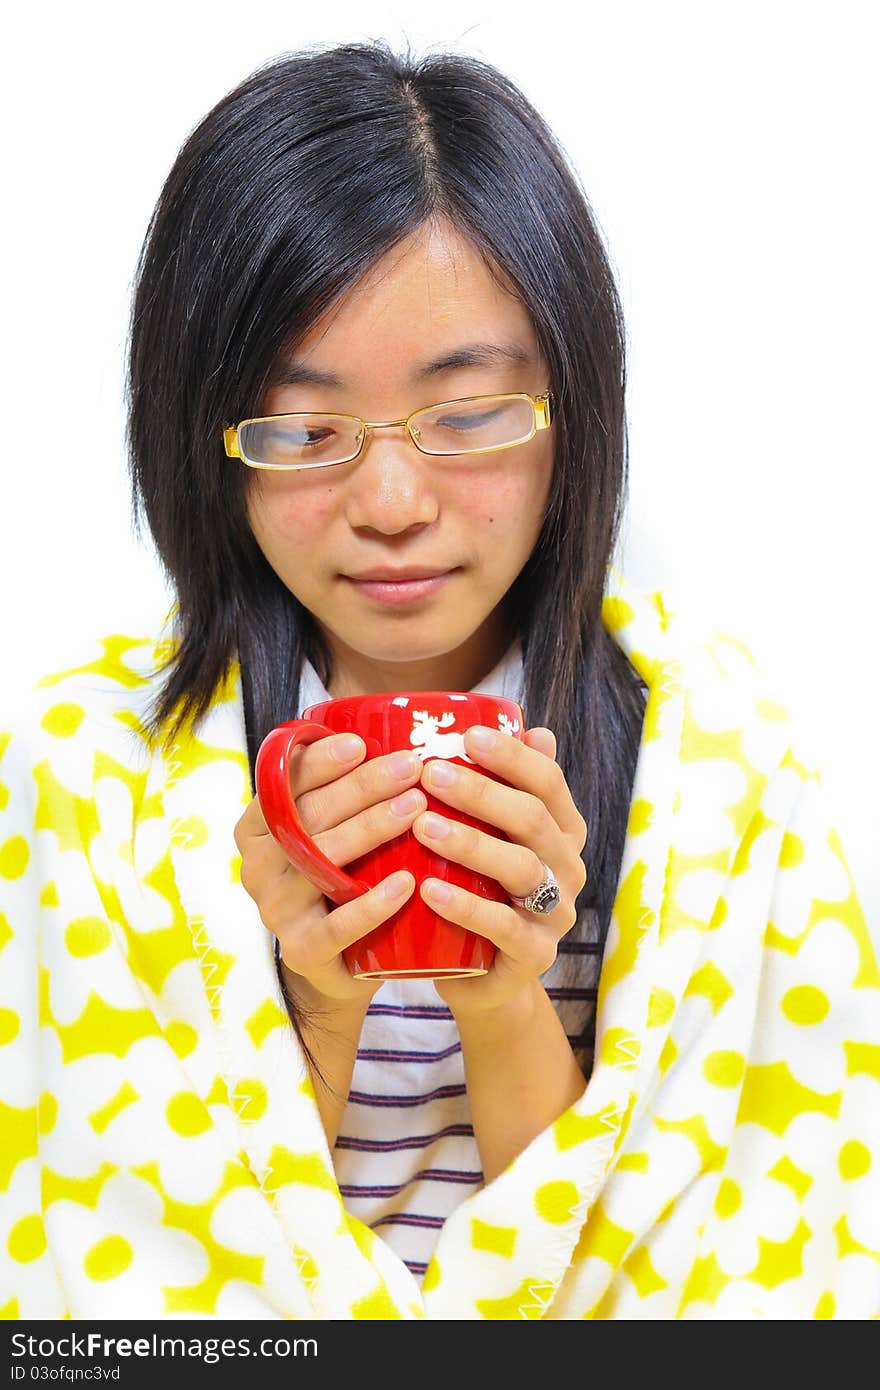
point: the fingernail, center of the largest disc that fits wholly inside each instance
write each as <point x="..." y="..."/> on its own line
<point x="407" y="802"/>
<point x="404" y="764"/>
<point x="397" y="885"/>
<point x="441" y="774"/>
<point x="345" y="748"/>
<point x="482" y="738"/>
<point x="435" y="826"/>
<point x="438" y="890"/>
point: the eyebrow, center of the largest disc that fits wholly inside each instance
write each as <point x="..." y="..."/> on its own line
<point x="295" y="372"/>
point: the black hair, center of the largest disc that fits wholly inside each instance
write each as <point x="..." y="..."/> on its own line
<point x="287" y="191"/>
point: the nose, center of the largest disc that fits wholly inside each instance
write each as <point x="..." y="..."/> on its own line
<point x="392" y="488"/>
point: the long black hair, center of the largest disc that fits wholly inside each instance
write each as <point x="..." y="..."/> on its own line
<point x="290" y="188"/>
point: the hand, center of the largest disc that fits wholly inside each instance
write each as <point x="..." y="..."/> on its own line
<point x="538" y="814"/>
<point x="347" y="809"/>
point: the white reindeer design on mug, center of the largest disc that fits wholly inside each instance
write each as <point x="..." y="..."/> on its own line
<point x="429" y="742"/>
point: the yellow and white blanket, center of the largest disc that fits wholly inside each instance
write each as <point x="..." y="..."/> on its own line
<point x="161" y="1152"/>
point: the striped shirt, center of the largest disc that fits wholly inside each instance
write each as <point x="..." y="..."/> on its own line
<point x="406" y="1155"/>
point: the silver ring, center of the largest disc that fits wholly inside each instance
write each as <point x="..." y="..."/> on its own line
<point x="543" y="898"/>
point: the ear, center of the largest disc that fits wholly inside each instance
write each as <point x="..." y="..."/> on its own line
<point x="541" y="738"/>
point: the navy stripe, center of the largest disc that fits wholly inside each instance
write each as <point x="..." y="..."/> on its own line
<point x="578" y="948"/>
<point x="407" y="1218"/>
<point x="394" y="1190"/>
<point x="569" y="992"/>
<point x="377" y="1054"/>
<point x="372" y="1098"/>
<point x="409" y="1011"/>
<point x="415" y="1141"/>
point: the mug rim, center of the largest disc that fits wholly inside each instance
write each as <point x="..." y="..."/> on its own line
<point x="391" y="695"/>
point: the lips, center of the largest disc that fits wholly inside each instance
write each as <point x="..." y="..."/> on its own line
<point x="391" y="576"/>
<point x="408" y="586"/>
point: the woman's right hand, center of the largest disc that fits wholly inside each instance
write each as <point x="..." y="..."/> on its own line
<point x="348" y="808"/>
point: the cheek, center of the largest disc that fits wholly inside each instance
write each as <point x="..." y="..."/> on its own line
<point x="292" y="513"/>
<point x="512" y="499"/>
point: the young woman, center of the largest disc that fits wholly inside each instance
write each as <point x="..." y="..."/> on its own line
<point x="356" y="259"/>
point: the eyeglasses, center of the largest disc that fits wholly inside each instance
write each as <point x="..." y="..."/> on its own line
<point x="472" y="425"/>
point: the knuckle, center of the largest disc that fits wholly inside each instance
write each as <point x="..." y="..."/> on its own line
<point x="532" y="869"/>
<point x="363" y="777"/>
<point x="374" y="780"/>
<point x="545" y="955"/>
<point x="313" y="810"/>
<point x="272" y="902"/>
<point x="374" y="907"/>
<point x="535" y="814"/>
<point x="479" y="788"/>
<point x="369" y="822"/>
<point x="466" y="838"/>
<point x="370" y="827"/>
<point x="466" y="907"/>
<point x="246" y="875"/>
<point x="556" y="780"/>
<point x="337" y="928"/>
<point x="302" y="961"/>
<point x="375" y="820"/>
<point x="300" y="768"/>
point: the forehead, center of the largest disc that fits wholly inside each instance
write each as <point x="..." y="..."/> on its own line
<point x="429" y="294"/>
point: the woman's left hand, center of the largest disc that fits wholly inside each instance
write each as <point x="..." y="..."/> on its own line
<point x="537" y="812"/>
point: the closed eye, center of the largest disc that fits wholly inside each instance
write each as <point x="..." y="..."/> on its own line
<point x="471" y="421"/>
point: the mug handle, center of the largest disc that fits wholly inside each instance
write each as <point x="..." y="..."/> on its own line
<point x="277" y="802"/>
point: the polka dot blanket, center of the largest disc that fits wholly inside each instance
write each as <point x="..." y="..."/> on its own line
<point x="161" y="1151"/>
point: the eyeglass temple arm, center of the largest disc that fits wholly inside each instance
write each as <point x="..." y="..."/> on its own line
<point x="230" y="441"/>
<point x="542" y="410"/>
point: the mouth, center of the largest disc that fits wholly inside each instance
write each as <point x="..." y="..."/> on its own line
<point x="408" y="587"/>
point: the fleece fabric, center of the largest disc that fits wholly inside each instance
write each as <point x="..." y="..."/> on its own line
<point x="161" y="1151"/>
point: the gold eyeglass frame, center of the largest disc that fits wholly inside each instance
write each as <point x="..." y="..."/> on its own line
<point x="542" y="406"/>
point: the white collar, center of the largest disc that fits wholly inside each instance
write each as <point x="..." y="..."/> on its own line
<point x="505" y="679"/>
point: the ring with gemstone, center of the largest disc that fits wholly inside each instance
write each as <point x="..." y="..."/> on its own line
<point x="543" y="898"/>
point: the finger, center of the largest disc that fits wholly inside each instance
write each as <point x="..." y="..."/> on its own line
<point x="515" y="867"/>
<point x="252" y="823"/>
<point x="523" y="815"/>
<point x="264" y="862"/>
<point x="326" y="797"/>
<point x="329" y="786"/>
<point x="310" y="944"/>
<point x="534" y="790"/>
<point x="528" y="940"/>
<point x="543" y="739"/>
<point x="311" y="766"/>
<point x="262" y="858"/>
<point x="372" y="827"/>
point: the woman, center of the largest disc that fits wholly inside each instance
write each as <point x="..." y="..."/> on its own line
<point x="218" y="1120"/>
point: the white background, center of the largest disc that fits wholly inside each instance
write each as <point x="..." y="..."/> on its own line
<point x="729" y="152"/>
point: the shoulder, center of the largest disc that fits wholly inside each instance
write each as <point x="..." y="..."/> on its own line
<point x="709" y="666"/>
<point x="715" y="722"/>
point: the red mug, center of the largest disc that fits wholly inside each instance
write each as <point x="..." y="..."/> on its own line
<point x="415" y="941"/>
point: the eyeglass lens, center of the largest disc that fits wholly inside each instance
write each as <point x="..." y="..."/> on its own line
<point x="316" y="440"/>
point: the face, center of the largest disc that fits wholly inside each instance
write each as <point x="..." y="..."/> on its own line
<point x="476" y="518"/>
